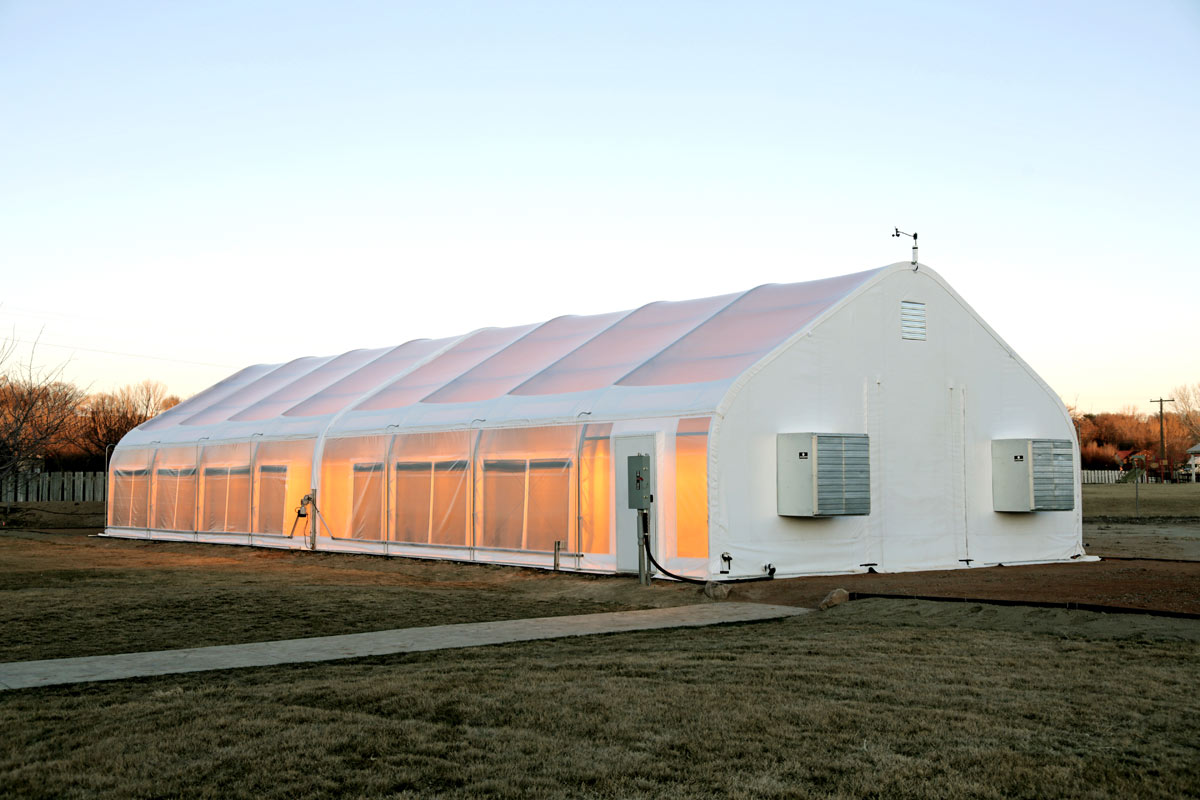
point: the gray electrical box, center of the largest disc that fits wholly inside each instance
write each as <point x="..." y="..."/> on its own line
<point x="822" y="474"/>
<point x="1033" y="475"/>
<point x="640" y="490"/>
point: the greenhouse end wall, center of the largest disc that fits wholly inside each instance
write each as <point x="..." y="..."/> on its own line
<point x="499" y="495"/>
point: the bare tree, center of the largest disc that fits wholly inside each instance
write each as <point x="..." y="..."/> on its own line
<point x="1187" y="406"/>
<point x="36" y="408"/>
<point x="105" y="417"/>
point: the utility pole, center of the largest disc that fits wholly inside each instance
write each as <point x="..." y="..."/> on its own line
<point x="1162" y="441"/>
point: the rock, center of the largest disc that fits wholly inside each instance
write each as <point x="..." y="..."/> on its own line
<point x="716" y="591"/>
<point x="834" y="598"/>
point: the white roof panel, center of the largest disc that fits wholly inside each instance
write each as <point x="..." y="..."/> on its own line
<point x="661" y="359"/>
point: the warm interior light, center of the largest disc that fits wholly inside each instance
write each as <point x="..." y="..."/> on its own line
<point x="691" y="488"/>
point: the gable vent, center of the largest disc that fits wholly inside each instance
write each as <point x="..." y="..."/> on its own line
<point x="912" y="320"/>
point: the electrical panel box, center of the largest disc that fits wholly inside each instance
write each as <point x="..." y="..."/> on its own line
<point x="1033" y="475"/>
<point x="822" y="474"/>
<point x="640" y="490"/>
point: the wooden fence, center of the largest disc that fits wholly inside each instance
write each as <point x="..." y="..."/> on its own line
<point x="42" y="487"/>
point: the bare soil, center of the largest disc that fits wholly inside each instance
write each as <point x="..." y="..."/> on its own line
<point x="1148" y="585"/>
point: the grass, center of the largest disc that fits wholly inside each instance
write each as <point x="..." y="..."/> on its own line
<point x="64" y="595"/>
<point x="872" y="699"/>
<point x="1154" y="500"/>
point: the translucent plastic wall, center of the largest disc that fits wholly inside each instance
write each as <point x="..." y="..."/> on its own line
<point x="487" y="492"/>
<point x="129" y="488"/>
<point x="525" y="488"/>
<point x="175" y="489"/>
<point x="352" y="499"/>
<point x="228" y="488"/>
<point x="595" y="490"/>
<point x="283" y="475"/>
<point x="691" y="488"/>
<point x="225" y="488"/>
<point x="431" y="488"/>
<point x="511" y="489"/>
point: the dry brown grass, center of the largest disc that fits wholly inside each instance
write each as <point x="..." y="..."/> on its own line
<point x="52" y="515"/>
<point x="1154" y="500"/>
<point x="66" y="594"/>
<point x="873" y="699"/>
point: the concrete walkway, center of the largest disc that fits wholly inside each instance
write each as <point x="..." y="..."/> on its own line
<point x="28" y="674"/>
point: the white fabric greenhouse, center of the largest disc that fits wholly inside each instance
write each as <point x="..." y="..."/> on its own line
<point x="504" y="444"/>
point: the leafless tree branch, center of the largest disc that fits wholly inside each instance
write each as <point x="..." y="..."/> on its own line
<point x="1187" y="406"/>
<point x="36" y="407"/>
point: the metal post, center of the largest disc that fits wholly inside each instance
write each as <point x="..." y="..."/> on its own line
<point x="557" y="551"/>
<point x="898" y="233"/>
<point x="312" y="493"/>
<point x="1136" y="480"/>
<point x="106" y="449"/>
<point x="643" y="530"/>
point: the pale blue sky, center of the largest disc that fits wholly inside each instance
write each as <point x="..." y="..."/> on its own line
<point x="223" y="183"/>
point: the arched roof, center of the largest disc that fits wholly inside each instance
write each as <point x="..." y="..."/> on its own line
<point x="661" y="359"/>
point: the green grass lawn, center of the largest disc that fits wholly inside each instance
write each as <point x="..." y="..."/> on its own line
<point x="872" y="699"/>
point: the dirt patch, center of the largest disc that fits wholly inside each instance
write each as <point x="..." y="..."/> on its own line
<point x="1151" y="585"/>
<point x="1169" y="585"/>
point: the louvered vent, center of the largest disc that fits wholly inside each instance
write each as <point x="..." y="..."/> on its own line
<point x="912" y="320"/>
<point x="1053" y="475"/>
<point x="843" y="474"/>
<point x="823" y="474"/>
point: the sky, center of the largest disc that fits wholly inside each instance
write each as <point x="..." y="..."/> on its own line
<point x="189" y="188"/>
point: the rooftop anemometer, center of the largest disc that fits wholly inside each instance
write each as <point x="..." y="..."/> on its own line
<point x="912" y="236"/>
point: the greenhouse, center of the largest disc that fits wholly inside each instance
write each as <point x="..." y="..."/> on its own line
<point x="865" y="422"/>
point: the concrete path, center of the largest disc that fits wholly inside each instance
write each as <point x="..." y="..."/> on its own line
<point x="27" y="674"/>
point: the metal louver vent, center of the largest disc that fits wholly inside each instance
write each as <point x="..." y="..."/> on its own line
<point x="1053" y="475"/>
<point x="843" y="474"/>
<point x="912" y="320"/>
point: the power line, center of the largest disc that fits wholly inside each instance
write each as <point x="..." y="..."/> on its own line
<point x="39" y="314"/>
<point x="38" y="343"/>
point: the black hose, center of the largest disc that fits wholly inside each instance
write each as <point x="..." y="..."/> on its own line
<point x="659" y="567"/>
